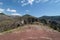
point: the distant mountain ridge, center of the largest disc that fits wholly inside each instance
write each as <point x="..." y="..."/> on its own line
<point x="57" y="18"/>
<point x="2" y="14"/>
<point x="10" y="22"/>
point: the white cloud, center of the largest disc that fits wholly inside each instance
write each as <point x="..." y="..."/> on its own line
<point x="1" y="10"/>
<point x="26" y="2"/>
<point x="1" y="3"/>
<point x="16" y="14"/>
<point x="22" y="1"/>
<point x="11" y="10"/>
<point x="30" y="2"/>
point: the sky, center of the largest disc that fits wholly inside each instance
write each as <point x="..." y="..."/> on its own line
<point x="33" y="7"/>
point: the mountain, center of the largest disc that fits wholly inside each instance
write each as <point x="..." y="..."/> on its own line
<point x="10" y="22"/>
<point x="2" y="14"/>
<point x="42" y="29"/>
<point x="3" y="17"/>
<point x="27" y="15"/>
<point x="29" y="19"/>
<point x="52" y="21"/>
<point x="57" y="18"/>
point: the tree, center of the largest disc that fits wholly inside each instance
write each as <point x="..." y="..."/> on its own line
<point x="43" y="21"/>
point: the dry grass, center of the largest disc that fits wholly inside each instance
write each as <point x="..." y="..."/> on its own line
<point x="31" y="32"/>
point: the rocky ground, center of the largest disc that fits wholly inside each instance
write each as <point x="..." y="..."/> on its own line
<point x="31" y="32"/>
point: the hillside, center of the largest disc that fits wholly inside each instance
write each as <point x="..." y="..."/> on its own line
<point x="52" y="21"/>
<point x="31" y="32"/>
<point x="56" y="18"/>
<point x="11" y="22"/>
<point x="3" y="17"/>
<point x="28" y="27"/>
<point x="8" y="22"/>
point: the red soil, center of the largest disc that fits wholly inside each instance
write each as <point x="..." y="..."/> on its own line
<point x="31" y="33"/>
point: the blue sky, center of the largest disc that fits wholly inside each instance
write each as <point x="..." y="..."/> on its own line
<point x="33" y="7"/>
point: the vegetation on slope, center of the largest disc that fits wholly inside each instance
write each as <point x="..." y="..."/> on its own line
<point x="11" y="22"/>
<point x="52" y="21"/>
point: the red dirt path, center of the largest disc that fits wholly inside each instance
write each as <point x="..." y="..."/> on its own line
<point x="31" y="33"/>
